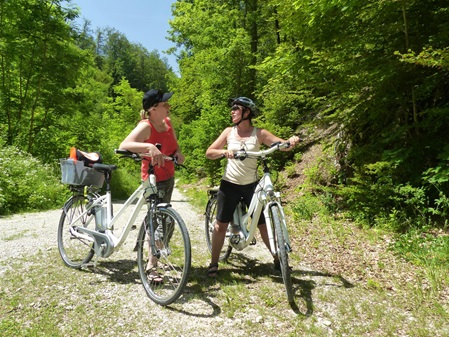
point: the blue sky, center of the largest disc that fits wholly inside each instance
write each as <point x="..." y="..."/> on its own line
<point x="141" y="21"/>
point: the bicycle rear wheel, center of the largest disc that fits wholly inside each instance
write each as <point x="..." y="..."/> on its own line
<point x="164" y="279"/>
<point x="282" y="250"/>
<point x="75" y="250"/>
<point x="209" y="222"/>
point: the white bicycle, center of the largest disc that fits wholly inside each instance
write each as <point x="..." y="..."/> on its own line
<point x="87" y="222"/>
<point x="241" y="230"/>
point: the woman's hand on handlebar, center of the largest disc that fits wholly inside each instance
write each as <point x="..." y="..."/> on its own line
<point x="227" y="154"/>
<point x="179" y="158"/>
<point x="157" y="157"/>
<point x="293" y="140"/>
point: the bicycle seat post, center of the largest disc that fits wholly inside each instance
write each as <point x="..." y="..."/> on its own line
<point x="108" y="177"/>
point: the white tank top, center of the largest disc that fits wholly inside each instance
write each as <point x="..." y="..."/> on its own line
<point x="242" y="172"/>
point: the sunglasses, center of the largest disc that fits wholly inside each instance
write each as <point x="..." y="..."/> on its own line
<point x="235" y="107"/>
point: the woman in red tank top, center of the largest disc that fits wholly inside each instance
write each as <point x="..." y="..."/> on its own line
<point x="155" y="127"/>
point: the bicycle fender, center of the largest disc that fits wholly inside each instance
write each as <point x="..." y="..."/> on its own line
<point x="213" y="191"/>
<point x="163" y="205"/>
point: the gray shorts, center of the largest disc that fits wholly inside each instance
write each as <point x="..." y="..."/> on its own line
<point x="166" y="187"/>
<point x="164" y="227"/>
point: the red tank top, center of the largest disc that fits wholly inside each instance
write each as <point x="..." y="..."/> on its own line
<point x="169" y="146"/>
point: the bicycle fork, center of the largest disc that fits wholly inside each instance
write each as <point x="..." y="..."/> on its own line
<point x="151" y="214"/>
<point x="159" y="232"/>
<point x="271" y="238"/>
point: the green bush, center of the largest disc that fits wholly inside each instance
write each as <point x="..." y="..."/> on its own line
<point x="374" y="198"/>
<point x="125" y="181"/>
<point x="28" y="185"/>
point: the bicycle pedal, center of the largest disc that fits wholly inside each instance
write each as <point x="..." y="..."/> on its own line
<point x="235" y="238"/>
<point x="253" y="242"/>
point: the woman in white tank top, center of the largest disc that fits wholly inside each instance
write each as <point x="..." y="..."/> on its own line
<point x="239" y="176"/>
<point x="241" y="172"/>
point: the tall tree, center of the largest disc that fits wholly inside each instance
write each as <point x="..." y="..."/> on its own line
<point x="124" y="59"/>
<point x="220" y="44"/>
<point x="37" y="62"/>
<point x="378" y="74"/>
<point x="392" y="113"/>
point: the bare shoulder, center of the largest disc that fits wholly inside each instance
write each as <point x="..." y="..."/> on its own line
<point x="263" y="134"/>
<point x="260" y="132"/>
<point x="267" y="138"/>
<point x="225" y="133"/>
<point x="144" y="125"/>
<point x="228" y="130"/>
<point x="142" y="131"/>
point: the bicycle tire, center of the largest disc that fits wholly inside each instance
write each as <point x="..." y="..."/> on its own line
<point x="75" y="251"/>
<point x="282" y="250"/>
<point x="173" y="266"/>
<point x="209" y="224"/>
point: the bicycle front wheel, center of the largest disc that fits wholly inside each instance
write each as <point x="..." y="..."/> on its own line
<point x="209" y="222"/>
<point x="164" y="277"/>
<point x="282" y="250"/>
<point x="75" y="248"/>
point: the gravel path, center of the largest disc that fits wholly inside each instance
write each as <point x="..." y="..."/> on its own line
<point x="30" y="232"/>
<point x="27" y="233"/>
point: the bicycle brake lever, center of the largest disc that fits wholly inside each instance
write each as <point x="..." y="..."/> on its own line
<point x="175" y="161"/>
<point x="240" y="155"/>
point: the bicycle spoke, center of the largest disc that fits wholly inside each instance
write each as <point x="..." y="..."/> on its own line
<point x="75" y="250"/>
<point x="164" y="278"/>
<point x="209" y="222"/>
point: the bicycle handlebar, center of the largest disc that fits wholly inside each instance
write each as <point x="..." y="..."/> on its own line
<point x="139" y="156"/>
<point x="242" y="154"/>
<point x="128" y="154"/>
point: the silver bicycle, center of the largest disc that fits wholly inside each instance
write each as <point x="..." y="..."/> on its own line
<point x="86" y="228"/>
<point x="241" y="230"/>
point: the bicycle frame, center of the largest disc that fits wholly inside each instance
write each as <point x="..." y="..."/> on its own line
<point x="263" y="199"/>
<point x="107" y="242"/>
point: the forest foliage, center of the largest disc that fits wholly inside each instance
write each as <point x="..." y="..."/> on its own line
<point x="373" y="71"/>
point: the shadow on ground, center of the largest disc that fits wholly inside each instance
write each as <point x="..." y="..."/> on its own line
<point x="239" y="269"/>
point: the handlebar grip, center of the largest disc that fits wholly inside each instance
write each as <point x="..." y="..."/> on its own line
<point x="123" y="152"/>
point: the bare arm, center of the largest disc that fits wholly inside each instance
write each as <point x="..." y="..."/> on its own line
<point x="268" y="138"/>
<point x="135" y="141"/>
<point x="217" y="150"/>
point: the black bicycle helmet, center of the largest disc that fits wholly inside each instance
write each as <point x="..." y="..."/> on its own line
<point x="245" y="102"/>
